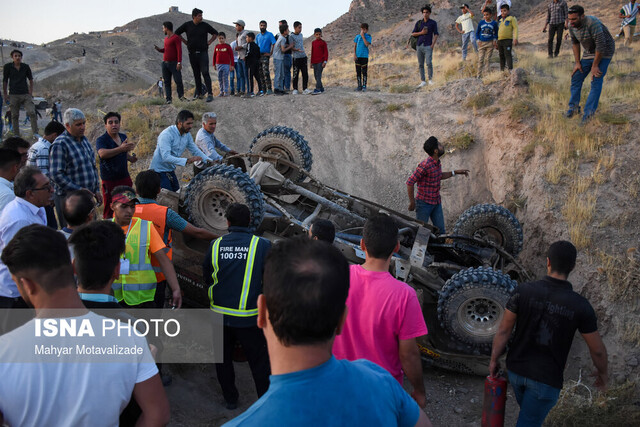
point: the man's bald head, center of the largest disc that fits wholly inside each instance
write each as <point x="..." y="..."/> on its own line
<point x="79" y="208"/>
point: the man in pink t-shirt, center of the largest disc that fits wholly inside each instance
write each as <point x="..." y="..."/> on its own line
<point x="384" y="317"/>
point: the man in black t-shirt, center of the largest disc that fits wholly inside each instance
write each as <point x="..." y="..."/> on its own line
<point x="546" y="315"/>
<point x="198" y="47"/>
<point x="14" y="77"/>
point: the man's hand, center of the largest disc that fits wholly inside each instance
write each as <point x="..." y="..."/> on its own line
<point x="601" y="380"/>
<point x="515" y="42"/>
<point x="494" y="368"/>
<point x="412" y="205"/>
<point x="176" y="299"/>
<point x="577" y="67"/>
<point x="595" y="72"/>
<point x="355" y="58"/>
<point x="127" y="146"/>
<point x="544" y="30"/>
<point x="324" y="64"/>
<point x="132" y="158"/>
<point x="156" y="48"/>
<point x="232" y="68"/>
<point x="233" y="152"/>
<point x="98" y="197"/>
<point x="179" y="67"/>
<point x="420" y="398"/>
<point x="464" y="172"/>
<point x="193" y="159"/>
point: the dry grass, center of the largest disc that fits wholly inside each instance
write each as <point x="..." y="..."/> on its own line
<point x="144" y="123"/>
<point x="481" y="100"/>
<point x="579" y="209"/>
<point x="621" y="273"/>
<point x="461" y="141"/>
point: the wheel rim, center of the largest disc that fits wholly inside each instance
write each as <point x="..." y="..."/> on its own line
<point x="277" y="150"/>
<point x="491" y="234"/>
<point x="213" y="206"/>
<point x="480" y="316"/>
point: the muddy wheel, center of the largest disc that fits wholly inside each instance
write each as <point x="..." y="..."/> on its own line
<point x="287" y="143"/>
<point x="493" y="223"/>
<point x="471" y="304"/>
<point x="210" y="193"/>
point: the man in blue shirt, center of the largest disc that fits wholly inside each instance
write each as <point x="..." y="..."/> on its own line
<point x="487" y="36"/>
<point x="208" y="143"/>
<point x="171" y="143"/>
<point x="265" y="41"/>
<point x="302" y="308"/>
<point x="361" y="44"/>
<point x="427" y="33"/>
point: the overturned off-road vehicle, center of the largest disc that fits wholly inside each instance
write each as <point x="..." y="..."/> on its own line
<point x="463" y="279"/>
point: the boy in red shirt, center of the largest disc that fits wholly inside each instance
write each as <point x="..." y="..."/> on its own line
<point x="223" y="63"/>
<point x="319" y="58"/>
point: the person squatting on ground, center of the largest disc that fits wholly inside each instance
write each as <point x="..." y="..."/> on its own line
<point x="361" y="44"/>
<point x="487" y="35"/>
<point x="426" y="31"/>
<point x="266" y="41"/>
<point x="302" y="309"/>
<point x="233" y="269"/>
<point x="319" y="58"/>
<point x="299" y="59"/>
<point x="14" y="77"/>
<point x="198" y="47"/>
<point x="464" y="25"/>
<point x="171" y="61"/>
<point x="427" y="177"/>
<point x="557" y="21"/>
<point x="598" y="49"/>
<point x="115" y="151"/>
<point x="223" y="63"/>
<point x="507" y="37"/>
<point x="208" y="143"/>
<point x="628" y="14"/>
<point x="546" y="315"/>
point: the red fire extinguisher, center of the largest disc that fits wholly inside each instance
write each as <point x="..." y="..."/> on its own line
<point x="495" y="397"/>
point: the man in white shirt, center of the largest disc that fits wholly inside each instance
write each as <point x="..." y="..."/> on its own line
<point x="9" y="167"/>
<point x="464" y="25"/>
<point x="208" y="143"/>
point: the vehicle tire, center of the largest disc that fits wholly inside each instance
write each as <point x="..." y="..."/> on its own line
<point x="493" y="223"/>
<point x="211" y="191"/>
<point x="286" y="142"/>
<point x="471" y="305"/>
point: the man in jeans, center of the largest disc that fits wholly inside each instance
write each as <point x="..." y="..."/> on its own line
<point x="464" y="25"/>
<point x="15" y="75"/>
<point x="557" y="21"/>
<point x="427" y="33"/>
<point x="546" y="315"/>
<point x="427" y="176"/>
<point x="171" y="61"/>
<point x="599" y="48"/>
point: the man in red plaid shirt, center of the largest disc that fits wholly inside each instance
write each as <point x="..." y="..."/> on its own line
<point x="427" y="176"/>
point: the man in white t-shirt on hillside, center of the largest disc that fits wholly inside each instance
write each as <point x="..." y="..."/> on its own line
<point x="464" y="25"/>
<point x="69" y="388"/>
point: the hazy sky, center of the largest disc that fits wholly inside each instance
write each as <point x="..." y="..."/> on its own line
<point x="40" y="21"/>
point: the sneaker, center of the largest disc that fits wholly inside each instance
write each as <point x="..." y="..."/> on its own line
<point x="168" y="101"/>
<point x="307" y="91"/>
<point x="184" y="99"/>
<point x="358" y="89"/>
<point x="209" y="98"/>
<point x="316" y="92"/>
<point x="233" y="93"/>
<point x="322" y="90"/>
<point x="278" y="92"/>
<point x="261" y="93"/>
<point x="269" y="92"/>
<point x="364" y="88"/>
<point x="572" y="111"/>
<point x="252" y="95"/>
<point x="295" y="92"/>
<point x="430" y="82"/>
<point x="422" y="84"/>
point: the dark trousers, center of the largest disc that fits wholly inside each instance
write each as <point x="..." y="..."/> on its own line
<point x="317" y="74"/>
<point x="555" y="30"/>
<point x="255" y="348"/>
<point x="59" y="204"/>
<point x="168" y="70"/>
<point x="504" y="50"/>
<point x="361" y="71"/>
<point x="300" y="65"/>
<point x="288" y="61"/>
<point x="107" y="187"/>
<point x="265" y="76"/>
<point x="51" y="217"/>
<point x="169" y="180"/>
<point x="253" y="74"/>
<point x="200" y="65"/>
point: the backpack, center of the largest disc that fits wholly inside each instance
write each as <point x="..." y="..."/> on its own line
<point x="413" y="41"/>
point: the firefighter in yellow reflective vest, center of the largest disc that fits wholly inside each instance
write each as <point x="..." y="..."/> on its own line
<point x="233" y="271"/>
<point x="136" y="285"/>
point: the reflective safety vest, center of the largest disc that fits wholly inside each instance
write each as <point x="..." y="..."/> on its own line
<point x="239" y="309"/>
<point x="158" y="216"/>
<point x="140" y="284"/>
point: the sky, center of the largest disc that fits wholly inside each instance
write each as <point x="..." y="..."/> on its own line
<point x="43" y="21"/>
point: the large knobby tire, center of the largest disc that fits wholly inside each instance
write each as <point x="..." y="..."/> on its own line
<point x="493" y="223"/>
<point x="471" y="305"/>
<point x="287" y="143"/>
<point x="210" y="193"/>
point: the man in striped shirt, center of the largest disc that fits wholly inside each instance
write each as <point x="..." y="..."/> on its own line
<point x="599" y="47"/>
<point x="427" y="176"/>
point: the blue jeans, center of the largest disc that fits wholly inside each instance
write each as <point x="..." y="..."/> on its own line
<point x="424" y="211"/>
<point x="232" y="78"/>
<point x="288" y="61"/>
<point x="466" y="38"/>
<point x="223" y="78"/>
<point x="534" y="398"/>
<point x="278" y="78"/>
<point x="169" y="180"/>
<point x="241" y="75"/>
<point x="425" y="53"/>
<point x="596" y="87"/>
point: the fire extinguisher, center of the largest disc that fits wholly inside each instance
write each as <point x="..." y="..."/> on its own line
<point x="495" y="397"/>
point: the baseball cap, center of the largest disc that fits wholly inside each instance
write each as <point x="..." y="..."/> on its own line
<point x="125" y="197"/>
<point x="464" y="5"/>
<point x="240" y="22"/>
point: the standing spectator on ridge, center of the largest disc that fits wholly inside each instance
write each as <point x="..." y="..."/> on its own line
<point x="223" y="63"/>
<point x="38" y="156"/>
<point x="384" y="316"/>
<point x="427" y="33"/>
<point x="599" y="48"/>
<point x="301" y="311"/>
<point x="487" y="35"/>
<point x="265" y="40"/>
<point x="279" y="50"/>
<point x="507" y="37"/>
<point x="241" y="48"/>
<point x="546" y="315"/>
<point x="9" y="168"/>
<point x="114" y="150"/>
<point x="464" y="25"/>
<point x="58" y="117"/>
<point x="232" y="72"/>
<point x="171" y="61"/>
<point x="557" y="21"/>
<point x="208" y="143"/>
<point x="319" y="58"/>
<point x="160" y="85"/>
<point x="299" y="59"/>
<point x="171" y="143"/>
<point x="252" y="60"/>
<point x="427" y="176"/>
<point x="14" y="77"/>
<point x="361" y="44"/>
<point x="73" y="162"/>
<point x="198" y="48"/>
<point x="288" y="59"/>
<point x="628" y="14"/>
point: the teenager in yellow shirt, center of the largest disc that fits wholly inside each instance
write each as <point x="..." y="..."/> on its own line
<point x="507" y="36"/>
